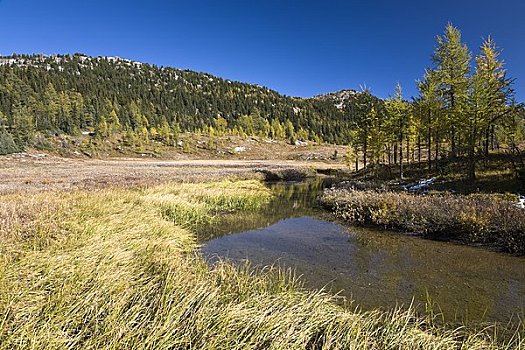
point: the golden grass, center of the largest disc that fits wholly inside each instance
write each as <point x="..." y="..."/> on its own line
<point x="476" y="218"/>
<point x="114" y="269"/>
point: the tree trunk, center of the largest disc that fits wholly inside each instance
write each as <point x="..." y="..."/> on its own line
<point x="471" y="173"/>
<point x="429" y="140"/>
<point x="486" y="142"/>
<point x="413" y="153"/>
<point x="401" y="157"/>
<point x="408" y="150"/>
<point x="453" y="129"/>
<point x="419" y="150"/>
<point x="364" y="154"/>
<point x="458" y="145"/>
<point x="436" y="159"/>
<point x="453" y="142"/>
<point x="395" y="153"/>
<point x="471" y="164"/>
<point x="492" y="137"/>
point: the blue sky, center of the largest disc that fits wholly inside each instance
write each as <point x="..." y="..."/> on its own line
<point x="299" y="48"/>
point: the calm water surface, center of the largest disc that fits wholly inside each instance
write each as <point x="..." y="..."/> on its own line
<point x="375" y="268"/>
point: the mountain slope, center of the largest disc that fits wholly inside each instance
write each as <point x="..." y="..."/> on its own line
<point x="70" y="93"/>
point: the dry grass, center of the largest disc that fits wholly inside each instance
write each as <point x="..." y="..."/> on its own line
<point x="196" y="146"/>
<point x="109" y="269"/>
<point x="35" y="172"/>
<point x="486" y="219"/>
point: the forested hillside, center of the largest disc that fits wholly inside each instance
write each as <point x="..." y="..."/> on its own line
<point x="74" y="93"/>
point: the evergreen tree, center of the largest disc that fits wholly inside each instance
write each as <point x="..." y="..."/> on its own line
<point x="489" y="99"/>
<point x="278" y="129"/>
<point x="452" y="66"/>
<point x="289" y="130"/>
<point x="102" y="129"/>
<point x="399" y="122"/>
<point x="7" y="144"/>
<point x="366" y="114"/>
<point x="220" y="124"/>
<point x="113" y="122"/>
<point x="22" y="125"/>
<point x="430" y="104"/>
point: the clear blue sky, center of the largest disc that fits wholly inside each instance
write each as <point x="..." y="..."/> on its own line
<point x="299" y="48"/>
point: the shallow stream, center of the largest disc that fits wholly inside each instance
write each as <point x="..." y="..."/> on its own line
<point x="375" y="268"/>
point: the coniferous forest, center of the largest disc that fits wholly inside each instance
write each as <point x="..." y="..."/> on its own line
<point x="465" y="108"/>
<point x="72" y="93"/>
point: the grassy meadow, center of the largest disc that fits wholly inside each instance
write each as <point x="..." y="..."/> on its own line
<point x="117" y="268"/>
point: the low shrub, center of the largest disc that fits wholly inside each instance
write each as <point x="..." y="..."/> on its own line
<point x="484" y="219"/>
<point x="287" y="174"/>
<point x="7" y="144"/>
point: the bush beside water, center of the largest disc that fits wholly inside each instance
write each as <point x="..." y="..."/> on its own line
<point x="484" y="219"/>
